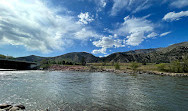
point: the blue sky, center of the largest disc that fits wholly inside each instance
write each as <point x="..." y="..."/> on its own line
<point x="100" y="27"/>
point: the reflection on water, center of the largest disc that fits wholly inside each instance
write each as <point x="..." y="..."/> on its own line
<point x="78" y="91"/>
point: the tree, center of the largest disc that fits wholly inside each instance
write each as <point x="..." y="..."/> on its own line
<point x="179" y="66"/>
<point x="63" y="62"/>
<point x="10" y="57"/>
<point x="144" y="63"/>
<point x="83" y="61"/>
<point x="175" y="66"/>
<point x="2" y="56"/>
<point x="70" y="63"/>
<point x="44" y="61"/>
<point x="185" y="63"/>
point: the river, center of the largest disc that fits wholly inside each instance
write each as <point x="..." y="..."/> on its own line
<point x="79" y="91"/>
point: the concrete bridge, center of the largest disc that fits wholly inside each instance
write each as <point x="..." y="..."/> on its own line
<point x="15" y="64"/>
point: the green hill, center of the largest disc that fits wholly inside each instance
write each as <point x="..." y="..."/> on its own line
<point x="155" y="55"/>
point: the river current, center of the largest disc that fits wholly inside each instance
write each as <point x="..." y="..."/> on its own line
<point x="97" y="91"/>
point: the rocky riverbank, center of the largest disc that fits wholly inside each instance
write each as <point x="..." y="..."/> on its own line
<point x="67" y="68"/>
<point x="144" y="72"/>
<point x="8" y="107"/>
<point x="93" y="69"/>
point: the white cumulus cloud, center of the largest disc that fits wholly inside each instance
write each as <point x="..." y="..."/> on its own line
<point x="136" y="30"/>
<point x="85" y="33"/>
<point x="38" y="27"/>
<point x="84" y="18"/>
<point x="107" y="42"/>
<point x="172" y="16"/>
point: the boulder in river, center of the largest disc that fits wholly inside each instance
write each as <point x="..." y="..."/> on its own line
<point x="14" y="108"/>
<point x="3" y="106"/>
<point x="20" y="106"/>
<point x="7" y="107"/>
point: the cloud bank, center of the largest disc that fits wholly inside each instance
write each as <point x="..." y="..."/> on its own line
<point x="107" y="42"/>
<point x="38" y="27"/>
<point x="136" y="30"/>
<point x="85" y="18"/>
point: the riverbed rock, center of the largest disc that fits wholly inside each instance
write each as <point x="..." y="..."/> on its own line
<point x="20" y="106"/>
<point x="14" y="109"/>
<point x="5" y="106"/>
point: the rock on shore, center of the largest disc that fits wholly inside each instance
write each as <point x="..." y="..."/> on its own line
<point x="8" y="107"/>
<point x="92" y="69"/>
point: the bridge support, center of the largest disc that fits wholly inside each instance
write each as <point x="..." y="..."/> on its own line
<point x="20" y="65"/>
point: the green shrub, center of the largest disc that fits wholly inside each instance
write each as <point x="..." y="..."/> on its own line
<point x="180" y="66"/>
<point x="112" y="63"/>
<point x="134" y="65"/>
<point x="117" y="66"/>
<point x="176" y="66"/>
<point x="45" y="66"/>
<point x="144" y="63"/>
<point x="185" y="63"/>
<point x="9" y="57"/>
<point x="104" y="64"/>
<point x="2" y="56"/>
<point x="92" y="68"/>
<point x="161" y="66"/>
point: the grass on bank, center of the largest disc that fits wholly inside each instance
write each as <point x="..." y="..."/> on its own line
<point x="125" y="66"/>
<point x="173" y="67"/>
<point x="178" y="66"/>
<point x="162" y="67"/>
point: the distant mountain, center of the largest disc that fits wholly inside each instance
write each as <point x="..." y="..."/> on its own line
<point x="77" y="57"/>
<point x="70" y="57"/>
<point x="2" y="56"/>
<point x="31" y="58"/>
<point x="177" y="48"/>
<point x="173" y="52"/>
<point x="167" y="54"/>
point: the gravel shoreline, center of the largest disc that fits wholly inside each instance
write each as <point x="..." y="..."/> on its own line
<point x="8" y="107"/>
<point x="85" y="69"/>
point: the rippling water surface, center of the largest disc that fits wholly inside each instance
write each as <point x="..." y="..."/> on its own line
<point x="78" y="91"/>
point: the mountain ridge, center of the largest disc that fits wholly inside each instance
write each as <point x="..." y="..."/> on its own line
<point x="166" y="54"/>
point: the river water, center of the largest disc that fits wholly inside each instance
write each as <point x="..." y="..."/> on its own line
<point x="79" y="91"/>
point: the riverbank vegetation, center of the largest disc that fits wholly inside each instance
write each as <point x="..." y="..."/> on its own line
<point x="177" y="66"/>
<point x="6" y="57"/>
